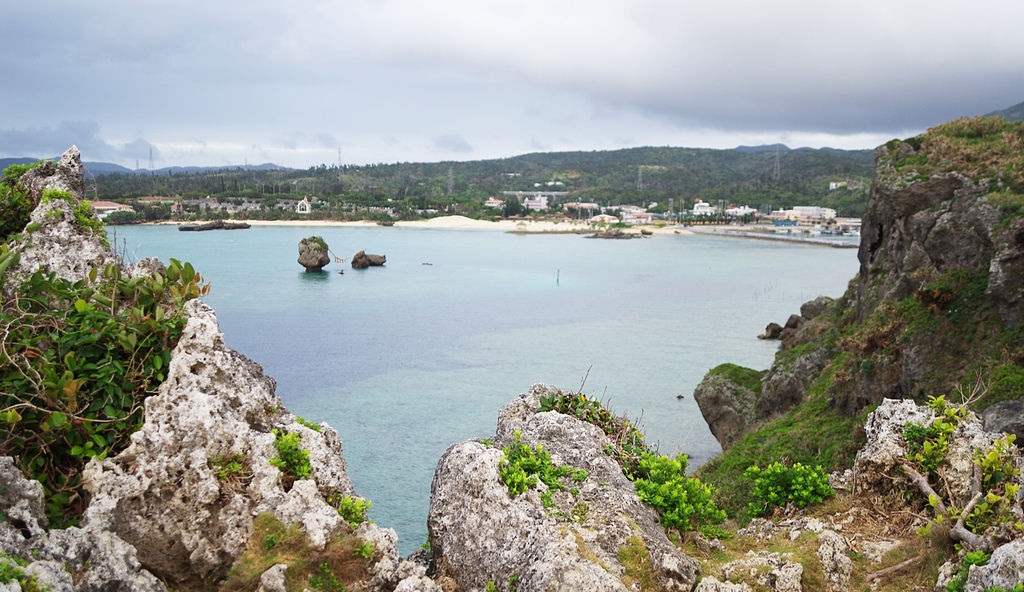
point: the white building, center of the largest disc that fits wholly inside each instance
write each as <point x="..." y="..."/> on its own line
<point x="303" y="206"/>
<point x="106" y="208"/>
<point x="740" y="211"/>
<point x="703" y="208"/>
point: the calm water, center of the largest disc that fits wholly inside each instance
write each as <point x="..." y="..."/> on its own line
<point x="407" y="359"/>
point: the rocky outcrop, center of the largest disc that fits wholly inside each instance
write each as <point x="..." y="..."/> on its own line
<point x="313" y="253"/>
<point x="730" y="409"/>
<point x="164" y="507"/>
<point x="481" y="534"/>
<point x="362" y="260"/>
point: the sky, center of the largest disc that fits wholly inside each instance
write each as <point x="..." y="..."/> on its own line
<point x="304" y="82"/>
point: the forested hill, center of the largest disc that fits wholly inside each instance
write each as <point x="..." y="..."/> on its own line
<point x="761" y="177"/>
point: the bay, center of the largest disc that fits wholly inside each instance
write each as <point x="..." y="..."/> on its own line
<point x="406" y="359"/>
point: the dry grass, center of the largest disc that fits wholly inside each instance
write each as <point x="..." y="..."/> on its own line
<point x="883" y="535"/>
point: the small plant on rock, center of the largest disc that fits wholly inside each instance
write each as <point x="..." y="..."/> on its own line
<point x="685" y="503"/>
<point x="291" y="458"/>
<point x="352" y="509"/>
<point x="778" y="486"/>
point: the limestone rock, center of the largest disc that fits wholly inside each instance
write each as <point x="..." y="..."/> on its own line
<point x="878" y="463"/>
<point x="834" y="558"/>
<point x="771" y="331"/>
<point x="1004" y="569"/>
<point x="60" y="244"/>
<point x="730" y="409"/>
<point x="757" y="571"/>
<point x="77" y="559"/>
<point x="362" y="260"/>
<point x="479" y="533"/>
<point x="162" y="493"/>
<point x="885" y="448"/>
<point x="313" y="253"/>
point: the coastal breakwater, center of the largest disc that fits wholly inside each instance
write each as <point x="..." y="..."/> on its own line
<point x="837" y="243"/>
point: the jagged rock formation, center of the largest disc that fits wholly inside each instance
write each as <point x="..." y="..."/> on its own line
<point x="159" y="507"/>
<point x="730" y="409"/>
<point x="479" y="533"/>
<point x="936" y="227"/>
<point x="362" y="260"/>
<point x="313" y="253"/>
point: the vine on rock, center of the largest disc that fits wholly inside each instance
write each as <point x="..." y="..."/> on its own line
<point x="77" y="360"/>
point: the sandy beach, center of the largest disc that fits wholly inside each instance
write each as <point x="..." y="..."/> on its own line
<point x="462" y="222"/>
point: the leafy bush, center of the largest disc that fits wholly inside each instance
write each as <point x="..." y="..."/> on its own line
<point x="956" y="584"/>
<point x="15" y="205"/>
<point x="927" y="445"/>
<point x="291" y="458"/>
<point x="778" y="485"/>
<point x="352" y="509"/>
<point x="78" y="360"/>
<point x="685" y="503"/>
<point x="523" y="465"/>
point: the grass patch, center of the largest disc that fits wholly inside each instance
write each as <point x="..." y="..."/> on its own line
<point x="342" y="564"/>
<point x="636" y="560"/>
<point x="748" y="378"/>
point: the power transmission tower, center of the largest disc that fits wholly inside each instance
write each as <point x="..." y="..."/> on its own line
<point x="451" y="180"/>
<point x="775" y="173"/>
<point x="640" y="178"/>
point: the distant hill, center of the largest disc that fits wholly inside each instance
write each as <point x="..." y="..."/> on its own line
<point x="108" y="168"/>
<point x="1015" y="113"/>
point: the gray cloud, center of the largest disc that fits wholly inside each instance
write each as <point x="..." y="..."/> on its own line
<point x="228" y="81"/>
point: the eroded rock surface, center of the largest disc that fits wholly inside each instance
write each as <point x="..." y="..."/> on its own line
<point x="159" y="509"/>
<point x="479" y="533"/>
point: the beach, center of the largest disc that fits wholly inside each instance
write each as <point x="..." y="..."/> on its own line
<point x="462" y="222"/>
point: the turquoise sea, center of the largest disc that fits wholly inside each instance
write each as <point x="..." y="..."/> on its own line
<point x="406" y="359"/>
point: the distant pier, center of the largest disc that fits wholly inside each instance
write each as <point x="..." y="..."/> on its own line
<point x="788" y="238"/>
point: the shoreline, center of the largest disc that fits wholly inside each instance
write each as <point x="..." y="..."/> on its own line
<point x="462" y="223"/>
<point x="526" y="227"/>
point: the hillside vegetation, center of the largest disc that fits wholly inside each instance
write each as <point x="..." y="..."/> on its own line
<point x="672" y="178"/>
<point x="924" y="330"/>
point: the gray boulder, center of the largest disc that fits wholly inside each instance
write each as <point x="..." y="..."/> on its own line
<point x="313" y="253"/>
<point x="362" y="260"/>
<point x="479" y="533"/>
<point x="729" y="409"/>
<point x="1006" y="417"/>
<point x="1004" y="569"/>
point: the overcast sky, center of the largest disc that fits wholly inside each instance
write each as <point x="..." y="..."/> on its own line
<point x="217" y="82"/>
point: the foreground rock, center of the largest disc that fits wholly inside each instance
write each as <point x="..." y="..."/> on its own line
<point x="480" y="534"/>
<point x="165" y="510"/>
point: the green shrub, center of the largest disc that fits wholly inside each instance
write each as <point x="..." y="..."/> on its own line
<point x="15" y="205"/>
<point x="778" y="486"/>
<point x="291" y="458"/>
<point x="523" y="465"/>
<point x="964" y="568"/>
<point x="78" y="360"/>
<point x="685" y="503"/>
<point x="352" y="509"/>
